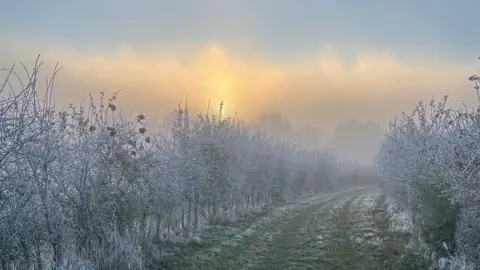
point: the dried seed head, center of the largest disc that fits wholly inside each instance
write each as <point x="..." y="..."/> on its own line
<point x="142" y="130"/>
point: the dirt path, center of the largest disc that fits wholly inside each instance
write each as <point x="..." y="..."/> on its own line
<point x="345" y="230"/>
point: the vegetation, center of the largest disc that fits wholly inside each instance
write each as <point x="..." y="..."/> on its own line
<point x="344" y="230"/>
<point x="86" y="187"/>
<point x="429" y="162"/>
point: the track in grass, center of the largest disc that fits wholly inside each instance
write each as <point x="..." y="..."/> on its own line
<point x="344" y="230"/>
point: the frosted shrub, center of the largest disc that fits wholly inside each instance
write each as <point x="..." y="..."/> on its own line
<point x="429" y="161"/>
<point x="468" y="233"/>
<point x="86" y="187"/>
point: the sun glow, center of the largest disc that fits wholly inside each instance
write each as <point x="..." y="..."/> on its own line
<point x="221" y="90"/>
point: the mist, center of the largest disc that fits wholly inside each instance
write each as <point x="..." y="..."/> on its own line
<point x="214" y="134"/>
<point x="320" y="93"/>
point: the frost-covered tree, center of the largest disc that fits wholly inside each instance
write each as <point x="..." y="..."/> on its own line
<point x="86" y="186"/>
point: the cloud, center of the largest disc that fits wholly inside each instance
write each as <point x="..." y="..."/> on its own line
<point x="322" y="89"/>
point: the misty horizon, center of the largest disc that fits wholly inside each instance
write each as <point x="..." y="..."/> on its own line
<point x="318" y="72"/>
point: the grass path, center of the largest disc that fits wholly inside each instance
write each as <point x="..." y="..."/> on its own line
<point x="344" y="230"/>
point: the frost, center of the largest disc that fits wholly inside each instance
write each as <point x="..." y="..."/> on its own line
<point x="89" y="187"/>
<point x="429" y="163"/>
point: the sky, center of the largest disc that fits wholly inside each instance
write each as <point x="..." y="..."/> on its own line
<point x="316" y="62"/>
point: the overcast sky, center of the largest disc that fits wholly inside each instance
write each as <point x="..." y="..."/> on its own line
<point x="281" y="29"/>
<point x="315" y="62"/>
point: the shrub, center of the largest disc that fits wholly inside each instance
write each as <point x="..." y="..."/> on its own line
<point x="429" y="161"/>
<point x="86" y="187"/>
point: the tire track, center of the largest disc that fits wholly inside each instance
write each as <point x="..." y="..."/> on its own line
<point x="259" y="248"/>
<point x="300" y="246"/>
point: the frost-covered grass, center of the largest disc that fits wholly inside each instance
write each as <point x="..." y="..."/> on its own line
<point x="343" y="230"/>
<point x="241" y="241"/>
<point x="358" y="237"/>
<point x="400" y="219"/>
<point x="453" y="262"/>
